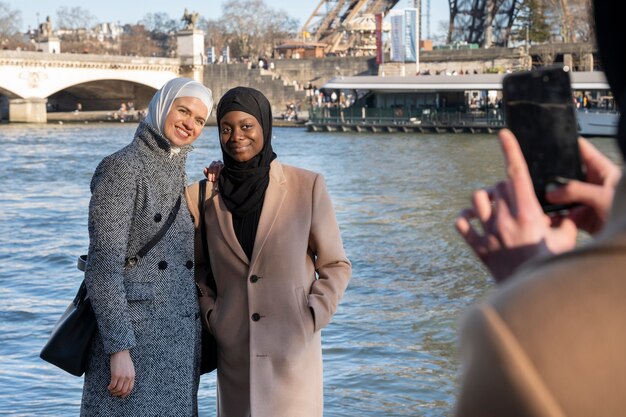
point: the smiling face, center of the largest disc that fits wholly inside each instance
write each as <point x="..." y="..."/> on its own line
<point x="241" y="135"/>
<point x="184" y="121"/>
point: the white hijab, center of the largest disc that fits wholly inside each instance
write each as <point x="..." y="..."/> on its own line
<point x="162" y="100"/>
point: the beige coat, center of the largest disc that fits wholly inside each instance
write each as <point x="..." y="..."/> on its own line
<point x="552" y="340"/>
<point x="269" y="310"/>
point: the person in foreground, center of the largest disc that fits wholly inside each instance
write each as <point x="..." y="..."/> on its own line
<point x="279" y="265"/>
<point x="550" y="341"/>
<point x="145" y="356"/>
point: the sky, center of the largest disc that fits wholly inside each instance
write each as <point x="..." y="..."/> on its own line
<point x="131" y="11"/>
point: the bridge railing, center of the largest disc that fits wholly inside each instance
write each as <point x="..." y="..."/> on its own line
<point x="90" y="58"/>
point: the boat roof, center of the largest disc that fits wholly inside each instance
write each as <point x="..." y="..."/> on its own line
<point x="581" y="80"/>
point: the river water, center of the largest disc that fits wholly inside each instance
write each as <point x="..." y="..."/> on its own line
<point x="390" y="349"/>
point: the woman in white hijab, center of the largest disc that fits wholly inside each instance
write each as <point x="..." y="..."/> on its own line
<point x="145" y="357"/>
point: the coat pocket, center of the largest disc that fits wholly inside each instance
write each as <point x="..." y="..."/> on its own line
<point x="139" y="296"/>
<point x="308" y="325"/>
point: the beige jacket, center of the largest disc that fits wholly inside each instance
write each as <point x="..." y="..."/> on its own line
<point x="269" y="310"/>
<point x="552" y="340"/>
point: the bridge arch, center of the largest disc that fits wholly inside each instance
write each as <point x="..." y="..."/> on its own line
<point x="102" y="94"/>
<point x="31" y="84"/>
<point x="7" y="92"/>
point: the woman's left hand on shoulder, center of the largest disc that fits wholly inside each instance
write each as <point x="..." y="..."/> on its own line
<point x="212" y="172"/>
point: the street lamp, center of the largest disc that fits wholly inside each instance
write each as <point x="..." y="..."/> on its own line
<point x="37" y="29"/>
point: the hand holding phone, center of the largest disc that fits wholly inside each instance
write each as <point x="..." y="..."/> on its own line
<point x="539" y="110"/>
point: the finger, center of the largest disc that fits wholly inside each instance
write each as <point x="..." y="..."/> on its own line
<point x="122" y="387"/>
<point x="590" y="155"/>
<point x="115" y="392"/>
<point x="585" y="218"/>
<point x="113" y="384"/>
<point x="563" y="235"/>
<point x="599" y="166"/>
<point x="125" y="388"/>
<point x="481" y="201"/>
<point x="576" y="192"/>
<point x="131" y="386"/>
<point x="466" y="230"/>
<point x="502" y="201"/>
<point x="516" y="168"/>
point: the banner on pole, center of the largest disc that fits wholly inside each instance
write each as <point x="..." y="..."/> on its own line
<point x="405" y="36"/>
<point x="410" y="35"/>
<point x="397" y="36"/>
<point x="379" y="38"/>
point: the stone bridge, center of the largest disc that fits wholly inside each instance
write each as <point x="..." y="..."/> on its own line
<point x="33" y="83"/>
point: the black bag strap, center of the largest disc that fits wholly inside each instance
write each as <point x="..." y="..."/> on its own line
<point x="205" y="245"/>
<point x="132" y="261"/>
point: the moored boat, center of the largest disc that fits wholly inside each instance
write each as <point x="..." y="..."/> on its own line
<point x="597" y="122"/>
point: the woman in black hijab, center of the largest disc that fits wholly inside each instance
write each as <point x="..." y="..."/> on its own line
<point x="279" y="267"/>
<point x="243" y="181"/>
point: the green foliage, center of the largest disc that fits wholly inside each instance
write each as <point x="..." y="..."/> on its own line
<point x="531" y="22"/>
<point x="494" y="70"/>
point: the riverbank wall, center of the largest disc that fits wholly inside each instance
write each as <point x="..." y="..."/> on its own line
<point x="101" y="116"/>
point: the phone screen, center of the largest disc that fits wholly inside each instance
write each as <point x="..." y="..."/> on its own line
<point x="539" y="110"/>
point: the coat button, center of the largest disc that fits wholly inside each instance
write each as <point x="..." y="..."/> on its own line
<point x="256" y="317"/>
<point x="162" y="265"/>
<point x="157" y="217"/>
<point x="189" y="264"/>
<point x="254" y="279"/>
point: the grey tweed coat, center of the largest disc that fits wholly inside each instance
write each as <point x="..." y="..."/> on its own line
<point x="151" y="308"/>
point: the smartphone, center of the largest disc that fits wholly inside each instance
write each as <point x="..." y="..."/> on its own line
<point x="539" y="110"/>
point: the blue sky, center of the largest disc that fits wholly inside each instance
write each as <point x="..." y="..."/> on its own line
<point x="130" y="11"/>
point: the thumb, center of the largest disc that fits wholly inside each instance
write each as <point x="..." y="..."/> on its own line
<point x="577" y="192"/>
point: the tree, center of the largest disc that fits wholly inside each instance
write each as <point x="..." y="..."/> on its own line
<point x="162" y="28"/>
<point x="279" y="26"/>
<point x="254" y="28"/>
<point x="10" y="20"/>
<point x="215" y="33"/>
<point x="581" y="13"/>
<point x="531" y="23"/>
<point x="74" y="18"/>
<point x="572" y="18"/>
<point x="136" y="40"/>
<point x="160" y="23"/>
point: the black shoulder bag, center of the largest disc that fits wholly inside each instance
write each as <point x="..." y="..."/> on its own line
<point x="209" y="345"/>
<point x="68" y="345"/>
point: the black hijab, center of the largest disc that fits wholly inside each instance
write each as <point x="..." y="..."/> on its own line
<point x="611" y="40"/>
<point x="243" y="184"/>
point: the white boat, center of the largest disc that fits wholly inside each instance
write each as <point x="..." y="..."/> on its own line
<point x="597" y="122"/>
